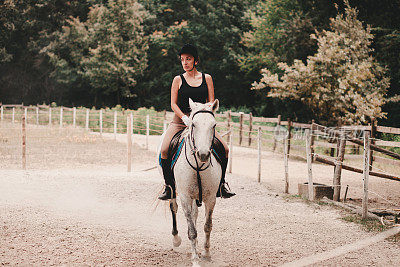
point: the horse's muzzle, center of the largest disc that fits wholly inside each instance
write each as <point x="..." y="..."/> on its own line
<point x="203" y="155"/>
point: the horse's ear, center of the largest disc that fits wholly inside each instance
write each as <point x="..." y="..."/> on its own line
<point x="192" y="105"/>
<point x="215" y="105"/>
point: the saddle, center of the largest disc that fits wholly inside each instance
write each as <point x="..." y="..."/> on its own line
<point x="176" y="145"/>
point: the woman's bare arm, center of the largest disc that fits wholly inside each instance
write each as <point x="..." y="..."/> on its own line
<point x="174" y="97"/>
<point x="210" y="86"/>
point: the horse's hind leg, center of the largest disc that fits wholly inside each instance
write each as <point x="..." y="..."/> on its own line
<point x="209" y="208"/>
<point x="174" y="209"/>
<point x="189" y="210"/>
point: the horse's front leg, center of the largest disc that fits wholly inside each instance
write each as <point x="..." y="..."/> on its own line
<point x="209" y="208"/>
<point x="195" y="213"/>
<point x="189" y="210"/>
<point x="174" y="208"/>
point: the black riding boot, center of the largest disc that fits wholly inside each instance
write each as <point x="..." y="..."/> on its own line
<point x="223" y="191"/>
<point x="169" y="191"/>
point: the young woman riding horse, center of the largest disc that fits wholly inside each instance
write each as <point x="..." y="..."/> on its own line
<point x="199" y="87"/>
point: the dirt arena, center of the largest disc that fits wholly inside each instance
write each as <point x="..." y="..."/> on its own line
<point x="76" y="205"/>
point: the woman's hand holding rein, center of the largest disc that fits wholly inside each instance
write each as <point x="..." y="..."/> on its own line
<point x="186" y="120"/>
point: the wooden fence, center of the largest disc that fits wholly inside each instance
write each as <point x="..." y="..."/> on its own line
<point x="101" y="121"/>
<point x="342" y="137"/>
<point x="313" y="142"/>
<point x="244" y="126"/>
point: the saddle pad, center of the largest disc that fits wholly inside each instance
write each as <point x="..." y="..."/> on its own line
<point x="174" y="149"/>
<point x="218" y="150"/>
<point x="174" y="144"/>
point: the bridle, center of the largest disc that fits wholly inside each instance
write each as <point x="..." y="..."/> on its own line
<point x="192" y="142"/>
<point x="194" y="149"/>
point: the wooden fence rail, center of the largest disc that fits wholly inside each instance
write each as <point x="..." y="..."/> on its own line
<point x="332" y="162"/>
<point x="336" y="134"/>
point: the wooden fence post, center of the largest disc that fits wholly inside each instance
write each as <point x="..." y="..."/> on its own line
<point x="2" y="113"/>
<point x="240" y="128"/>
<point x="345" y="193"/>
<point x="357" y="148"/>
<point x="259" y="154"/>
<point x="37" y="115"/>
<point x="278" y="124"/>
<point x="367" y="147"/>
<point x="250" y="126"/>
<point x="286" y="163"/>
<point x="115" y="124"/>
<point x="132" y="125"/>
<point x="147" y="130"/>
<point x="74" y="117"/>
<point x="309" y="166"/>
<point x="312" y="139"/>
<point x="230" y="149"/>
<point x="228" y="122"/>
<point x="49" y="115"/>
<point x="338" y="167"/>
<point x="372" y="141"/>
<point x="24" y="142"/>
<point x="337" y="142"/>
<point x="129" y="141"/>
<point x="13" y="115"/>
<point x="101" y="122"/>
<point x="228" y="119"/>
<point x="289" y="135"/>
<point x="87" y="120"/>
<point x="26" y="115"/>
<point x="61" y="117"/>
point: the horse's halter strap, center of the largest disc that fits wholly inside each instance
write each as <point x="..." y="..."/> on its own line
<point x="193" y="148"/>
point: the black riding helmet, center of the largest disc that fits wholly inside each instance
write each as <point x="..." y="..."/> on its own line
<point x="191" y="50"/>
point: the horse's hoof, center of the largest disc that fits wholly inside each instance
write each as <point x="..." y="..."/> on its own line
<point x="177" y="241"/>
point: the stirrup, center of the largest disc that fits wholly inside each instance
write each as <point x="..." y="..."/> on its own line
<point x="167" y="194"/>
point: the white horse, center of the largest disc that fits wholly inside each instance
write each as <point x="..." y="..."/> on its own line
<point x="196" y="170"/>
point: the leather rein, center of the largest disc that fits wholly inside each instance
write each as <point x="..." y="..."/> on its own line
<point x="193" y="149"/>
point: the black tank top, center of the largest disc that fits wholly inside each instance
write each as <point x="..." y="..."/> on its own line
<point x="197" y="94"/>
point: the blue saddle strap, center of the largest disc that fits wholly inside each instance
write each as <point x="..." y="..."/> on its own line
<point x="177" y="153"/>
<point x="216" y="155"/>
<point x="175" y="156"/>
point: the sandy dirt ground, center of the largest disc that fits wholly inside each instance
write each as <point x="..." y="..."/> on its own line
<point x="76" y="205"/>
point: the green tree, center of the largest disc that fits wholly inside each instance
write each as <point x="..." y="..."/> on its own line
<point x="385" y="23"/>
<point x="388" y="50"/>
<point x="108" y="51"/>
<point x="24" y="73"/>
<point x="269" y="40"/>
<point x="342" y="80"/>
<point x="281" y="33"/>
